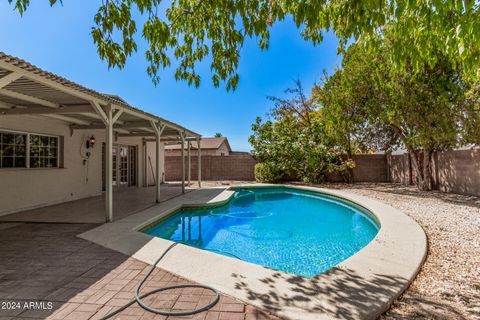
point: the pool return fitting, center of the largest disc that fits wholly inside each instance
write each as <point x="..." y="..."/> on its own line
<point x="138" y="297"/>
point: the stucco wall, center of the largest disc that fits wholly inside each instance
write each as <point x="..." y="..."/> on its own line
<point x="151" y="158"/>
<point x="22" y="189"/>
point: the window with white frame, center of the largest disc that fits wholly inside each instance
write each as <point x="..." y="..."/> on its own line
<point x="28" y="150"/>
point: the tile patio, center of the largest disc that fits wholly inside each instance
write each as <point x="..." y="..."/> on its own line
<point x="47" y="262"/>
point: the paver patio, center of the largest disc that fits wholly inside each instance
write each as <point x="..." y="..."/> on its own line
<point x="92" y="210"/>
<point x="47" y="262"/>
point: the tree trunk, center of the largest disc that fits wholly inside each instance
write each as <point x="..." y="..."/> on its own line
<point x="421" y="164"/>
<point x="349" y="157"/>
<point x="427" y="172"/>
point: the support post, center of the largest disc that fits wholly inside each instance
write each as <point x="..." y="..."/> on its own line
<point x="158" y="128"/>
<point x="189" y="167"/>
<point x="109" y="165"/>
<point x="199" y="159"/>
<point x="157" y="168"/>
<point x="182" y="136"/>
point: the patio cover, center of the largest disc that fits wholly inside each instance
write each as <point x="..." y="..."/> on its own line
<point x="28" y="90"/>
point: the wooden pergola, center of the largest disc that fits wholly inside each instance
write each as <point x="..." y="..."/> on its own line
<point x="28" y="90"/>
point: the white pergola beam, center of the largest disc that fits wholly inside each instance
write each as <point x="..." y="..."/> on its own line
<point x="50" y="83"/>
<point x="98" y="109"/>
<point x="30" y="99"/>
<point x="117" y="115"/>
<point x="9" y="78"/>
<point x="42" y="110"/>
<point x="86" y="96"/>
<point x="121" y="125"/>
<point x="67" y="119"/>
<point x="155" y="119"/>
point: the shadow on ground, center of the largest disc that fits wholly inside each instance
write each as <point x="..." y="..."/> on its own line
<point x="348" y="296"/>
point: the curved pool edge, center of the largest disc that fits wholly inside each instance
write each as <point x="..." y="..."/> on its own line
<point x="361" y="287"/>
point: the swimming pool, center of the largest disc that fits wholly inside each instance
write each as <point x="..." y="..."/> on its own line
<point x="292" y="230"/>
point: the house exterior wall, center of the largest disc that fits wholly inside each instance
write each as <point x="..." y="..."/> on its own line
<point x="23" y="188"/>
<point x="151" y="163"/>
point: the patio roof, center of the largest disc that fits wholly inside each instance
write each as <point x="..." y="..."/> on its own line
<point x="27" y="89"/>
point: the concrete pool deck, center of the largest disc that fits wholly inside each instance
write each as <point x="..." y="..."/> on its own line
<point x="361" y="287"/>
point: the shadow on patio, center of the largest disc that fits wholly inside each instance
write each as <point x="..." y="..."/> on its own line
<point x="92" y="210"/>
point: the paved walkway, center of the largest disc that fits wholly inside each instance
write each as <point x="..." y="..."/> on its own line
<point x="47" y="262"/>
<point x="91" y="210"/>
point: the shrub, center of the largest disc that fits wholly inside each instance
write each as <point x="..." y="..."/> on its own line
<point x="267" y="172"/>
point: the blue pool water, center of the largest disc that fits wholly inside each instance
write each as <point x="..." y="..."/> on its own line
<point x="296" y="231"/>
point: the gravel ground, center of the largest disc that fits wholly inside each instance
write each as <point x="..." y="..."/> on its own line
<point x="448" y="285"/>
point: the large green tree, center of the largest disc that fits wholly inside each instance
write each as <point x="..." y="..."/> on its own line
<point x="188" y="31"/>
<point x="427" y="111"/>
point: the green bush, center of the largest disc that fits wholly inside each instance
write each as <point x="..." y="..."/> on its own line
<point x="267" y="172"/>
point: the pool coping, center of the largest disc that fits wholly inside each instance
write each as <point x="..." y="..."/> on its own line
<point x="360" y="287"/>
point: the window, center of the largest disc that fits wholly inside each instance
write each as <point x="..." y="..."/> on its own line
<point x="43" y="151"/>
<point x="24" y="150"/>
<point x="13" y="150"/>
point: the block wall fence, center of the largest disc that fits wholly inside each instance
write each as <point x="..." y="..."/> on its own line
<point x="453" y="171"/>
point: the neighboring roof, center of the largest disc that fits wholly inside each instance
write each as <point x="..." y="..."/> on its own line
<point x="207" y="143"/>
<point x="36" y="88"/>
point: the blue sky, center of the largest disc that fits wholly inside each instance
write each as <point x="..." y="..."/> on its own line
<point x="58" y="39"/>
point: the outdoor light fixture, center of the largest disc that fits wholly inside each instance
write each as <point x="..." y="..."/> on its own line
<point x="90" y="142"/>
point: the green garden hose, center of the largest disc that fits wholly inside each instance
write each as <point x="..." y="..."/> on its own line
<point x="138" y="298"/>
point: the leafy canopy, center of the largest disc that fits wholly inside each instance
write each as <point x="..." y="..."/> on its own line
<point x="188" y="31"/>
<point x="292" y="142"/>
<point x="424" y="112"/>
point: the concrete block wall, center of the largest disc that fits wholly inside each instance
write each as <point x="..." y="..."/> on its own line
<point x="459" y="171"/>
<point x="399" y="169"/>
<point x="370" y="168"/>
<point x="456" y="171"/>
<point x="233" y="167"/>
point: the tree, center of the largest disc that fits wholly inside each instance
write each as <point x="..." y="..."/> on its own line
<point x="218" y="135"/>
<point x="427" y="111"/>
<point x="292" y="143"/>
<point x="342" y="103"/>
<point x="192" y="30"/>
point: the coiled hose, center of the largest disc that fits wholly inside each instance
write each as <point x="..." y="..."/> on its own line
<point x="138" y="298"/>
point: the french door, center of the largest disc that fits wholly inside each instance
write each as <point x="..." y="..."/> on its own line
<point x="124" y="166"/>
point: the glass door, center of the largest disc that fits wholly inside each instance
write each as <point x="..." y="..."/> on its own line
<point x="123" y="166"/>
<point x="114" y="166"/>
